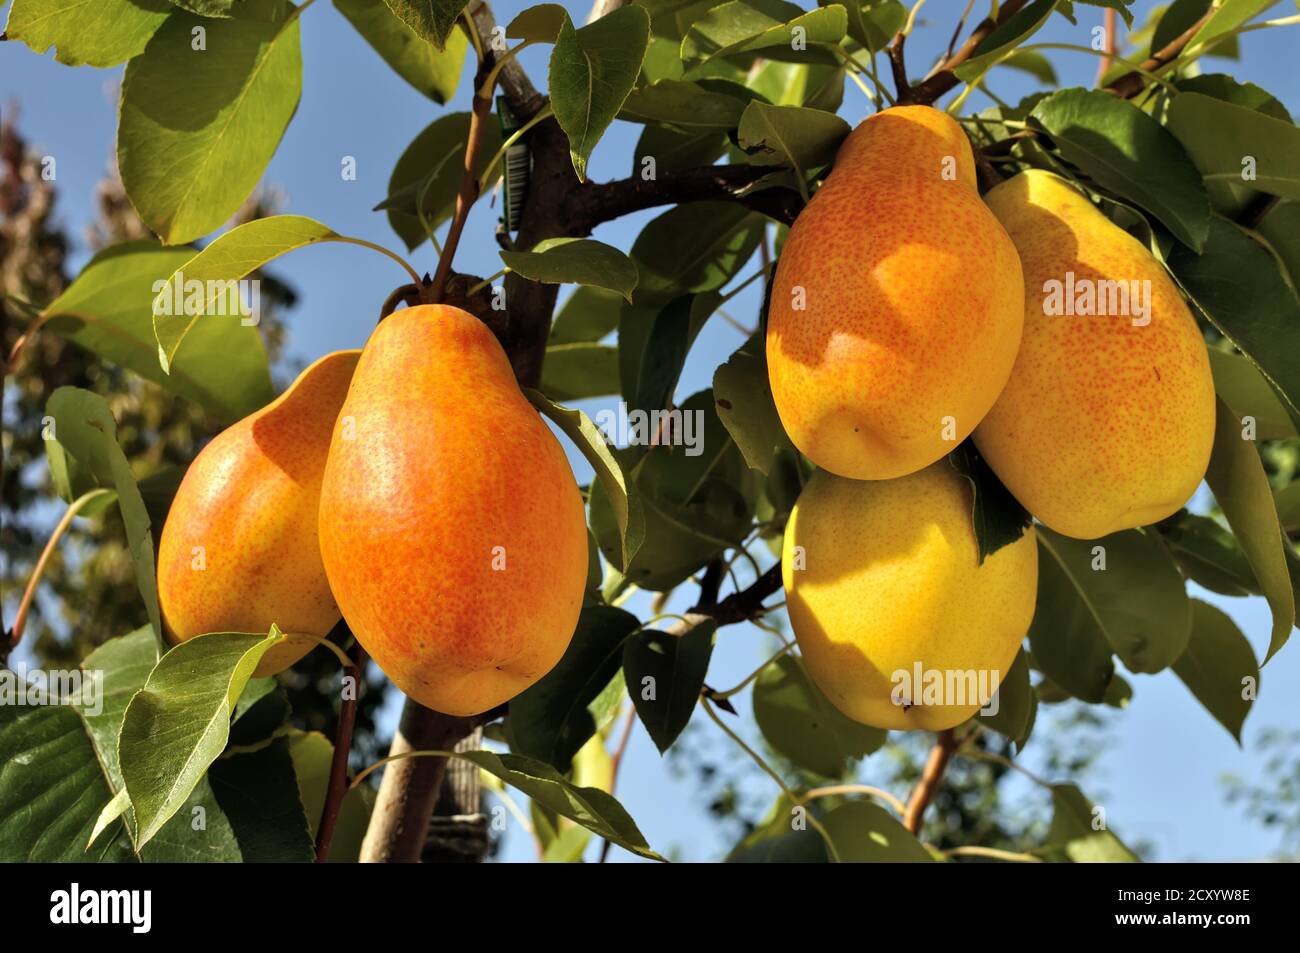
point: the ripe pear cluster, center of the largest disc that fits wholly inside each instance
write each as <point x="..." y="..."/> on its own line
<point x="413" y="491"/>
<point x="908" y="313"/>
<point x="409" y="488"/>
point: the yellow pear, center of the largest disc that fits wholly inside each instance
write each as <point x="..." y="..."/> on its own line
<point x="451" y="526"/>
<point x="1108" y="418"/>
<point x="897" y="303"/>
<point x="239" y="549"/>
<point x="898" y="622"/>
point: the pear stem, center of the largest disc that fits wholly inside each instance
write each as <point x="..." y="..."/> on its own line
<point x="931" y="777"/>
<point x="338" y="782"/>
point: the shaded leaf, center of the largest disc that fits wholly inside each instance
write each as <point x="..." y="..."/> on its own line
<point x="1236" y="477"/>
<point x="803" y="725"/>
<point x="745" y="405"/>
<point x="863" y="832"/>
<point x="664" y="675"/>
<point x="581" y="261"/>
<point x="433" y="72"/>
<point x="1219" y="667"/>
<point x="1126" y="151"/>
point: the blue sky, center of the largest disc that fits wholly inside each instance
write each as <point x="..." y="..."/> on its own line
<point x="1159" y="778"/>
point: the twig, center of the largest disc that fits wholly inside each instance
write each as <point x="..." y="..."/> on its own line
<point x="1130" y="84"/>
<point x="898" y="66"/>
<point x="944" y="746"/>
<point x="338" y="782"/>
<point x="869" y="790"/>
<point x="34" y="581"/>
<point x="942" y="78"/>
<point x="629" y="722"/>
<point x="1108" y="27"/>
<point x="469" y="185"/>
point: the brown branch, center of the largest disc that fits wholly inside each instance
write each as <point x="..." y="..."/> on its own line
<point x="898" y="66"/>
<point x="616" y="762"/>
<point x="593" y="203"/>
<point x="1132" y="83"/>
<point x="338" y="782"/>
<point x="942" y="78"/>
<point x="932" y="775"/>
<point x="1108" y="27"/>
<point x="469" y="191"/>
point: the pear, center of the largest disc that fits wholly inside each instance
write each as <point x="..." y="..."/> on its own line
<point x="898" y="622"/>
<point x="451" y="526"/>
<point x="1107" y="420"/>
<point x="897" y="304"/>
<point x="239" y="549"/>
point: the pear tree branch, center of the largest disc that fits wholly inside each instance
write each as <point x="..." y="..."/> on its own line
<point x="931" y="776"/>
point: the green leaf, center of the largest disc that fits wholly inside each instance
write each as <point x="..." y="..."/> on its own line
<point x="557" y="715"/>
<point x="595" y="810"/>
<point x="85" y="430"/>
<point x="682" y="104"/>
<point x="588" y="315"/>
<point x="1243" y="388"/>
<point x="1079" y="833"/>
<point x="1209" y="555"/>
<point x="743" y="26"/>
<point x="178" y="723"/>
<point x="1034" y="63"/>
<point x="1015" y="700"/>
<point x="431" y="20"/>
<point x="1222" y="86"/>
<point x="579" y="371"/>
<point x="1003" y="40"/>
<point x="618" y="488"/>
<point x="197" y="127"/>
<point x="1237" y="479"/>
<point x="1219" y="667"/>
<point x="432" y="167"/>
<point x="540" y="24"/>
<point x="671" y="335"/>
<point x="803" y="139"/>
<point x="814" y="85"/>
<point x="1126" y="151"/>
<point x="671" y="148"/>
<point x="1288" y="506"/>
<point x="697" y="246"/>
<point x="580" y="261"/>
<point x="258" y="794"/>
<point x="1237" y="286"/>
<point x="108" y="310"/>
<point x="872" y="24"/>
<point x="52" y="789"/>
<point x="592" y="71"/>
<point x="230" y="256"/>
<point x="433" y="72"/>
<point x="697" y="493"/>
<point x="312" y="754"/>
<point x="777" y="840"/>
<point x="997" y="516"/>
<point x="1135" y="606"/>
<point x="744" y="403"/>
<point x="803" y="725"/>
<point x="1229" y="15"/>
<point x="863" y="832"/>
<point x="103" y="33"/>
<point x="1220" y="137"/>
<point x="664" y="675"/>
<point x="1175" y="20"/>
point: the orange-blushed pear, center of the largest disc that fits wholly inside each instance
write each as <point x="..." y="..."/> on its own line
<point x="451" y="525"/>
<point x="897" y="304"/>
<point x="239" y="548"/>
<point x="898" y="621"/>
<point x="1108" y="418"/>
